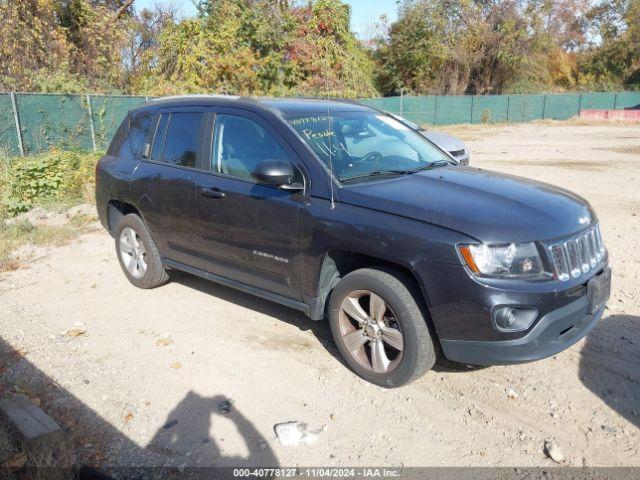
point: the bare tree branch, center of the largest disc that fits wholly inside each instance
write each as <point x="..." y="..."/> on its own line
<point x="124" y="6"/>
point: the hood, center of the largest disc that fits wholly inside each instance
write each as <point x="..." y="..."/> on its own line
<point x="444" y="141"/>
<point x="489" y="206"/>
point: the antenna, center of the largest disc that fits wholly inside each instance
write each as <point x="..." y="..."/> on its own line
<point x="331" y="176"/>
<point x="333" y="203"/>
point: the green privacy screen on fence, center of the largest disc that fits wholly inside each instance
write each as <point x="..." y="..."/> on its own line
<point x="446" y="110"/>
<point x="49" y="121"/>
<point x="33" y="123"/>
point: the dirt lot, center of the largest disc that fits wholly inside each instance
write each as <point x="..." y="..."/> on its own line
<point x="146" y="383"/>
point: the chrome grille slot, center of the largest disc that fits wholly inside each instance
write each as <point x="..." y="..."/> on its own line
<point x="560" y="261"/>
<point x="574" y="257"/>
<point x="591" y="241"/>
<point x="583" y="248"/>
<point x="578" y="255"/>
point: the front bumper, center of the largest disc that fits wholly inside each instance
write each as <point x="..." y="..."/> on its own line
<point x="553" y="333"/>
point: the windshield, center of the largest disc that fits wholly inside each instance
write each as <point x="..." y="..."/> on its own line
<point x="363" y="144"/>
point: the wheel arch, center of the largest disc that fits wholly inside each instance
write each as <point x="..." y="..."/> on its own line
<point x="116" y="209"/>
<point x="338" y="263"/>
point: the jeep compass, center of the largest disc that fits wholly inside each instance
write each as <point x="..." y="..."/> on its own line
<point x="346" y="214"/>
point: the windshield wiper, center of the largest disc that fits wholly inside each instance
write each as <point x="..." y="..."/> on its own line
<point x="439" y="163"/>
<point x="377" y="173"/>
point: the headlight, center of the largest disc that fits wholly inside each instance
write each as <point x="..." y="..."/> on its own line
<point x="513" y="260"/>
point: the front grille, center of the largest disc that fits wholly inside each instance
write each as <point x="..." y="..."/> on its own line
<point x="579" y="254"/>
<point x="457" y="153"/>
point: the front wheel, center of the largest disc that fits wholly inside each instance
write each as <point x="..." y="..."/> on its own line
<point x="379" y="327"/>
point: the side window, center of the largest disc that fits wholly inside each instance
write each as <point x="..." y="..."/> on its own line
<point x="239" y="144"/>
<point x="181" y="144"/>
<point x="138" y="133"/>
<point x="158" y="140"/>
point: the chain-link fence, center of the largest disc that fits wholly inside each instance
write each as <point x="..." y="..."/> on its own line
<point x="33" y="123"/>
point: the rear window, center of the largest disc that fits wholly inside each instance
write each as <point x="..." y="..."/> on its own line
<point x="181" y="144"/>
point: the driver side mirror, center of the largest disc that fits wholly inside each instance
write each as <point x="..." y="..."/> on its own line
<point x="276" y="173"/>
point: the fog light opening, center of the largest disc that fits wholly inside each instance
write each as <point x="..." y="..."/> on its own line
<point x="513" y="319"/>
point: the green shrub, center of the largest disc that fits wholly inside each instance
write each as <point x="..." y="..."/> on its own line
<point x="52" y="177"/>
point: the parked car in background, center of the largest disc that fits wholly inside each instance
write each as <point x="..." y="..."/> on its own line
<point x="453" y="145"/>
<point x="346" y="214"/>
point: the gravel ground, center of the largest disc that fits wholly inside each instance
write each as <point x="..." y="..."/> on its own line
<point x="143" y="377"/>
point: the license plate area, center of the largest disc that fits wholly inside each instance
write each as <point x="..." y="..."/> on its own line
<point x="599" y="290"/>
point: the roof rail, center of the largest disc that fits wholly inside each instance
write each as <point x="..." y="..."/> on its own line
<point x="197" y="95"/>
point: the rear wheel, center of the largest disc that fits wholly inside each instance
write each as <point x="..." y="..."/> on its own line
<point x="138" y="254"/>
<point x="379" y="327"/>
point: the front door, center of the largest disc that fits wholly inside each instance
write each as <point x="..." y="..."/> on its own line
<point x="249" y="232"/>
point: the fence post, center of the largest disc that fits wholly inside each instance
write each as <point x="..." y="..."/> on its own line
<point x="401" y="101"/>
<point x="544" y="106"/>
<point x="473" y="101"/>
<point x="615" y="101"/>
<point x="508" y="106"/>
<point x="17" y="121"/>
<point x="93" y="131"/>
<point x="435" y="109"/>
<point x="579" y="104"/>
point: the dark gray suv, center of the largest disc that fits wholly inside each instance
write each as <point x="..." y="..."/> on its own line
<point x="347" y="214"/>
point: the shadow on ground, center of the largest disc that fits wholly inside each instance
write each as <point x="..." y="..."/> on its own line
<point x="609" y="364"/>
<point x="320" y="330"/>
<point x="187" y="432"/>
<point x="192" y="426"/>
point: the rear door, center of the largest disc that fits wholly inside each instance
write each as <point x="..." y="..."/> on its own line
<point x="165" y="182"/>
<point x="249" y="232"/>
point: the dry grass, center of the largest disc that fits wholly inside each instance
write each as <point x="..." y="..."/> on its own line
<point x="7" y="445"/>
<point x="50" y="462"/>
<point x="469" y="132"/>
<point x="16" y="236"/>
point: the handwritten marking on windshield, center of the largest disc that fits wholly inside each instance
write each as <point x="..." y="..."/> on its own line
<point x="311" y="134"/>
<point x="305" y="120"/>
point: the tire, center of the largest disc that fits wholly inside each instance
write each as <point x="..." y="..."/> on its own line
<point x="401" y="314"/>
<point x="133" y="241"/>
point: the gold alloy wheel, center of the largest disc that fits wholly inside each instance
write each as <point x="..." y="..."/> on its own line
<point x="370" y="331"/>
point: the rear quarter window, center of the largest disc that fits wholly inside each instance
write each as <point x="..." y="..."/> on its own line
<point x="119" y="137"/>
<point x="137" y="135"/>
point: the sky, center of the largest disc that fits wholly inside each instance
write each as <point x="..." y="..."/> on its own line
<point x="363" y="12"/>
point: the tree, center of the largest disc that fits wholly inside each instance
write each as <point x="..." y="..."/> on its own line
<point x="458" y="46"/>
<point x="260" y="47"/>
<point x="31" y="42"/>
<point x="615" y="62"/>
<point x="60" y="45"/>
<point x="96" y="35"/>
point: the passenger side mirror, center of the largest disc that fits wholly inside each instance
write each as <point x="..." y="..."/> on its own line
<point x="277" y="173"/>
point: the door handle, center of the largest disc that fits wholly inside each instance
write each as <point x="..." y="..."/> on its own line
<point x="213" y="192"/>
